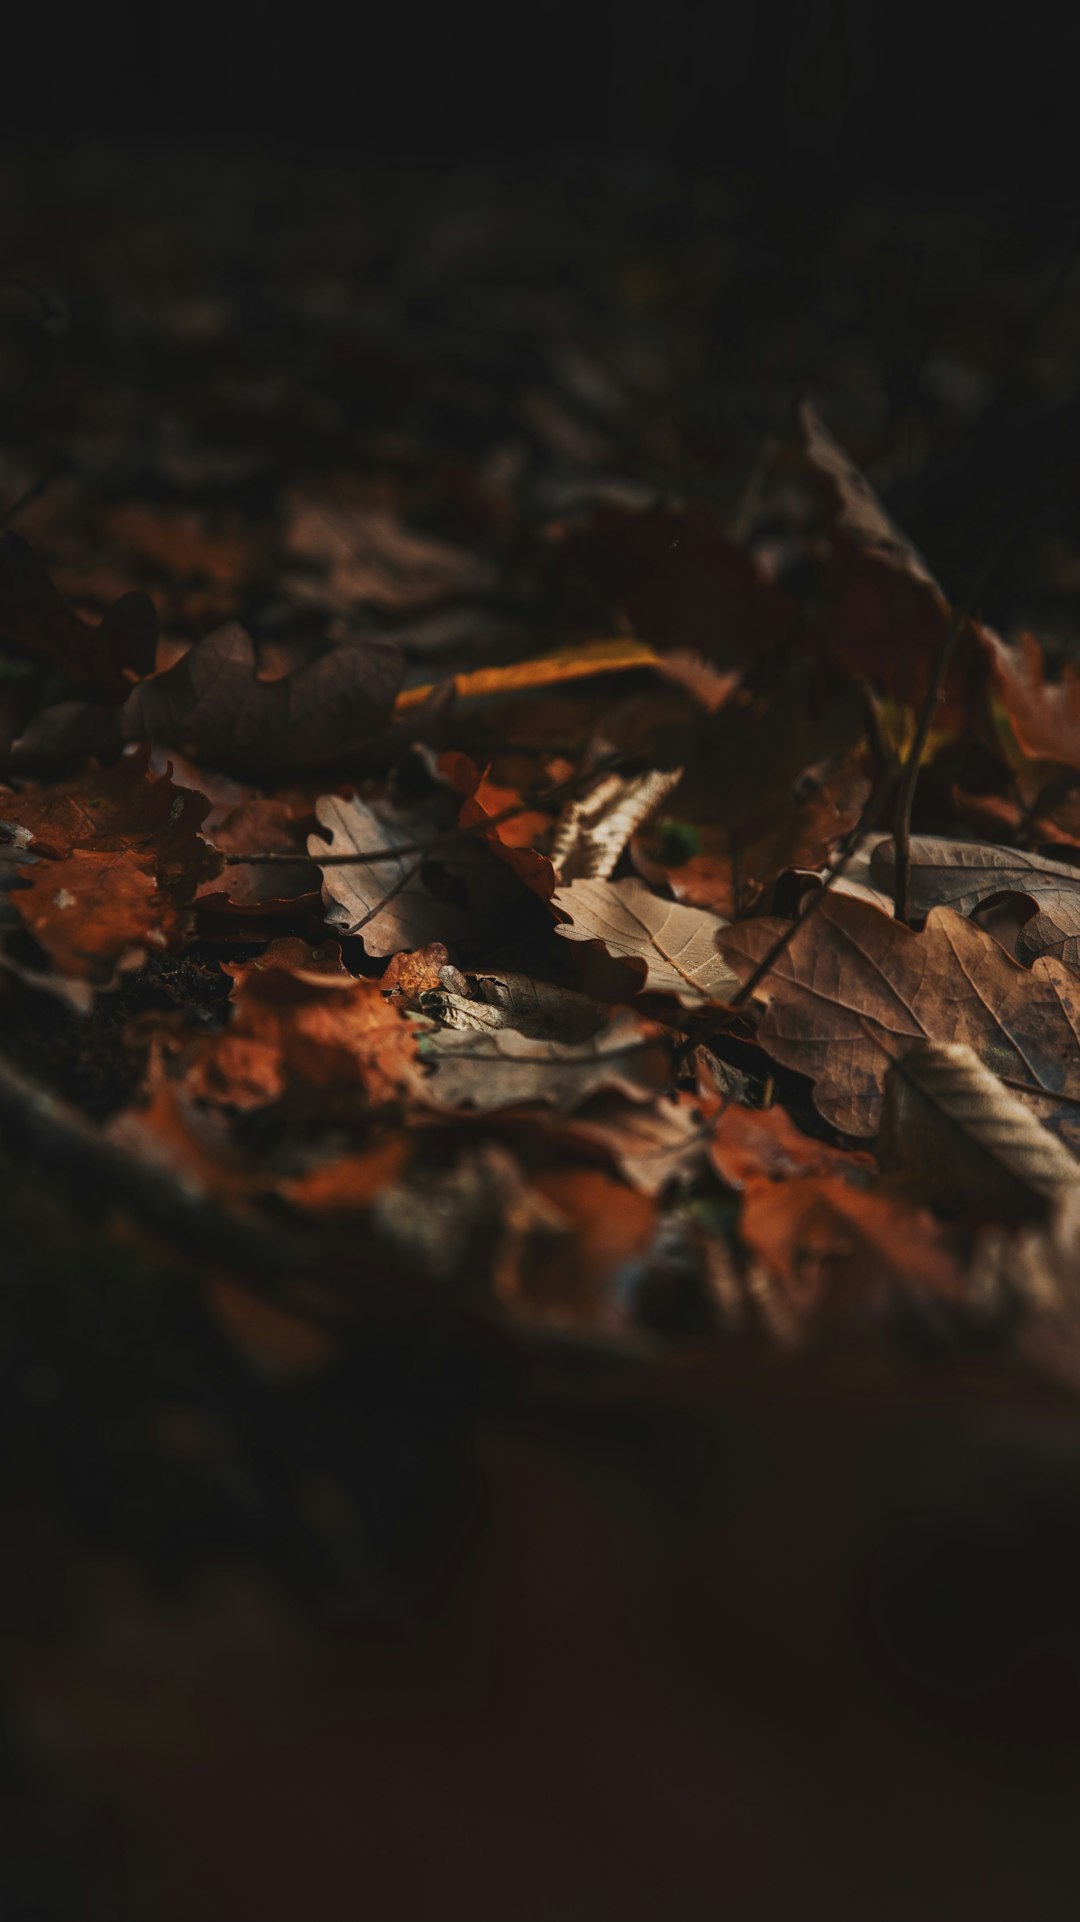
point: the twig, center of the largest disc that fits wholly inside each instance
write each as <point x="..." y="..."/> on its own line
<point x="867" y="820"/>
<point x="563" y="791"/>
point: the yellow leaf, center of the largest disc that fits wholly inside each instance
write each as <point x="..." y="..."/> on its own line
<point x="565" y="664"/>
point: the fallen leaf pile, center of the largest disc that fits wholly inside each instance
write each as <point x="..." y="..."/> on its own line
<point x="483" y="874"/>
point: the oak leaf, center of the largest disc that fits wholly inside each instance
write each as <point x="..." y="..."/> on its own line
<point x="854" y="990"/>
<point x="396" y="903"/>
<point x="676" y="944"/>
<point x="211" y="703"/>
<point x="963" y="1139"/>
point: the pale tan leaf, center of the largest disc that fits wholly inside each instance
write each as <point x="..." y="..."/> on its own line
<point x="963" y="1138"/>
<point x="677" y="944"/>
<point x="388" y="903"/>
<point x="482" y="1003"/>
<point x="504" y="1069"/>
<point x="961" y="874"/>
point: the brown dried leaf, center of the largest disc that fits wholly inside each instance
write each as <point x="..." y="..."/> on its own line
<point x="651" y="1144"/>
<point x="676" y="944"/>
<point x="116" y="809"/>
<point x="389" y="903"/>
<point x="94" y="911"/>
<point x="506" y="1069"/>
<point x="963" y="1138"/>
<point x="483" y="1003"/>
<point x="961" y="874"/>
<point x="300" y="1021"/>
<point x="212" y="704"/>
<point x="1045" y="715"/>
<point x="854" y="990"/>
<point x="832" y="1245"/>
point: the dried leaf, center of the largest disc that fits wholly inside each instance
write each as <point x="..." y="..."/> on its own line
<point x="116" y="809"/>
<point x="756" y="1144"/>
<point x="676" y="944"/>
<point x="651" y="1144"/>
<point x="961" y="874"/>
<point x="510" y="840"/>
<point x="390" y="903"/>
<point x="521" y="677"/>
<point x="859" y="514"/>
<point x="94" y="911"/>
<point x="832" y="1245"/>
<point x="300" y="1021"/>
<point x="213" y="705"/>
<point x="854" y="990"/>
<point x="408" y="975"/>
<point x="483" y="1003"/>
<point x="504" y="1069"/>
<point x="963" y="1138"/>
<point x="593" y="829"/>
<point x="1044" y="715"/>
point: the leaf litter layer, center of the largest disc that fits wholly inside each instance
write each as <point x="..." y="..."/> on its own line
<point x="459" y="878"/>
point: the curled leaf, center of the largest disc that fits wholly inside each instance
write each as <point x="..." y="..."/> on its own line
<point x="963" y="1138"/>
<point x="593" y="829"/>
<point x="854" y="990"/>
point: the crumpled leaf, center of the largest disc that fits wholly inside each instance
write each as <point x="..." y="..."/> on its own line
<point x="594" y="828"/>
<point x="483" y="1003"/>
<point x="391" y="904"/>
<point x="114" y="809"/>
<point x="854" y="990"/>
<point x="676" y="944"/>
<point x="36" y="619"/>
<point x="503" y="1069"/>
<point x="964" y="1139"/>
<point x="212" y="704"/>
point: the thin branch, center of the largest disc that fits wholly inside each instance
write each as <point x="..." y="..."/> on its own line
<point x="867" y="820"/>
<point x="563" y="791"/>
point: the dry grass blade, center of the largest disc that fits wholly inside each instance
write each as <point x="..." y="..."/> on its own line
<point x="964" y="1139"/>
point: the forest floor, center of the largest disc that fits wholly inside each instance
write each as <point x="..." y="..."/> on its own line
<point x="539" y="1083"/>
